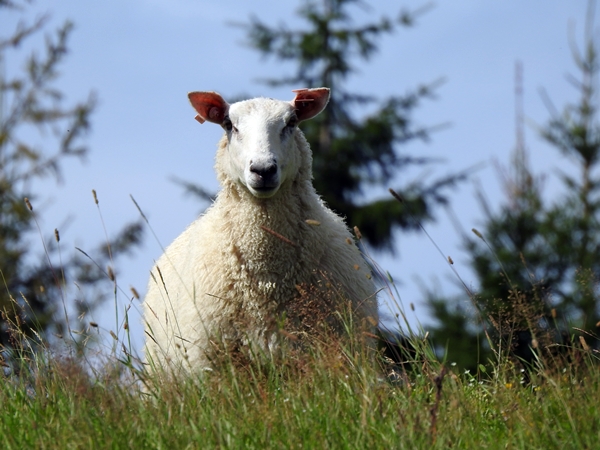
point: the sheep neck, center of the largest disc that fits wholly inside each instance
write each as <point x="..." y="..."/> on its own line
<point x="266" y="238"/>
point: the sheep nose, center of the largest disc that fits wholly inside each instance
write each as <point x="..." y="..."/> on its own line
<point x="266" y="171"/>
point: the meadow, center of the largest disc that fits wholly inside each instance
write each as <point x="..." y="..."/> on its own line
<point x="333" y="395"/>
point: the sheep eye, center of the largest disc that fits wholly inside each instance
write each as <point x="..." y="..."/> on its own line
<point x="291" y="124"/>
<point x="228" y="125"/>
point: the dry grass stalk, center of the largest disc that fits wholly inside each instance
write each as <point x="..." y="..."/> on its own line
<point x="279" y="236"/>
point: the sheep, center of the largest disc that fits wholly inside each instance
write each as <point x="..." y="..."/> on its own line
<point x="238" y="273"/>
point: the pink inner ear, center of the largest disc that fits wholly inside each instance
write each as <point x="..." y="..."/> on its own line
<point x="210" y="106"/>
<point x="310" y="102"/>
<point x="214" y="114"/>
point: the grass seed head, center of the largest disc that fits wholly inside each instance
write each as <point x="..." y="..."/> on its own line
<point x="135" y="293"/>
<point x="583" y="343"/>
<point x="396" y="195"/>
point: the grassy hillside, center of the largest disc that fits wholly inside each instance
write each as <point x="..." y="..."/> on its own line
<point x="331" y="397"/>
<point x="332" y="394"/>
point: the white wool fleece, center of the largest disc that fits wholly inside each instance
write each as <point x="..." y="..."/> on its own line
<point x="235" y="271"/>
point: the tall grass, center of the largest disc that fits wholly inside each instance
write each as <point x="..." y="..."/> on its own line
<point x="333" y="393"/>
<point x="331" y="396"/>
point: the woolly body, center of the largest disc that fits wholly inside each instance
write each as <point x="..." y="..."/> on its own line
<point x="227" y="275"/>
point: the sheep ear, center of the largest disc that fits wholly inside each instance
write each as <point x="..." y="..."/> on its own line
<point x="209" y="106"/>
<point x="310" y="102"/>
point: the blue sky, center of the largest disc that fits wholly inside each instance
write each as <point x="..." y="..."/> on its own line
<point x="141" y="57"/>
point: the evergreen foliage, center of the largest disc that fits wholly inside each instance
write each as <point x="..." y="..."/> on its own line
<point x="356" y="141"/>
<point x="39" y="130"/>
<point x="536" y="259"/>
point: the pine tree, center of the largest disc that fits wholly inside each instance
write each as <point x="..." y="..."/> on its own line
<point x="33" y="284"/>
<point x="354" y="151"/>
<point x="537" y="259"/>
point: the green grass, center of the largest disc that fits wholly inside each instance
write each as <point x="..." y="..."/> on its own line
<point x="332" y="397"/>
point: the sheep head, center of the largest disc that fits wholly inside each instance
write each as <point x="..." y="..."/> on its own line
<point x="260" y="132"/>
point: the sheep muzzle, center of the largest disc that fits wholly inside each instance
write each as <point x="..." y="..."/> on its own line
<point x="263" y="178"/>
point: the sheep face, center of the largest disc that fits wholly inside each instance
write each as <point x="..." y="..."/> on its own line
<point x="262" y="154"/>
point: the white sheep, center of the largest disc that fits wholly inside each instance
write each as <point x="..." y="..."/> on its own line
<point x="239" y="272"/>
